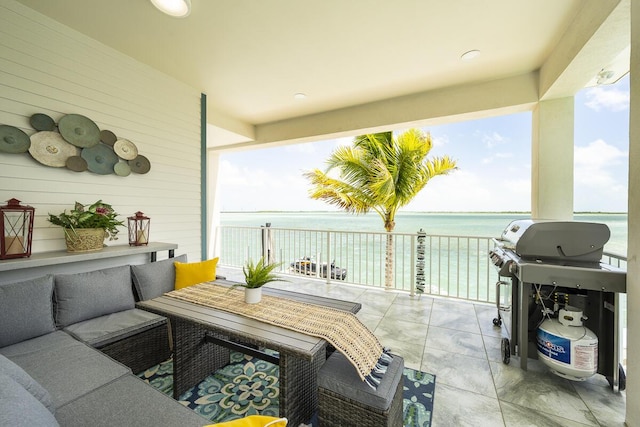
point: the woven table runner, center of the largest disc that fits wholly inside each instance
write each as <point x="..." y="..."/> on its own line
<point x="340" y="328"/>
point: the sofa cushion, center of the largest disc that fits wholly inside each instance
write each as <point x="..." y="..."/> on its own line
<point x="19" y="408"/>
<point x="10" y="369"/>
<point x="26" y="310"/>
<point x="188" y="274"/>
<point x="64" y="366"/>
<point x="83" y="296"/>
<point x="155" y="278"/>
<point x="128" y="401"/>
<point x="104" y="330"/>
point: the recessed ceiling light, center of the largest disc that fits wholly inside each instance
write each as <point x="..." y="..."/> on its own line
<point x="300" y="95"/>
<point x="175" y="8"/>
<point x="468" y="56"/>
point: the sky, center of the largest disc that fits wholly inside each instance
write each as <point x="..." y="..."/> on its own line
<point x="493" y="157"/>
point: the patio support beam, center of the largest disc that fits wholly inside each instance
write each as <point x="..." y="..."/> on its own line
<point x="552" y="160"/>
<point x="633" y="244"/>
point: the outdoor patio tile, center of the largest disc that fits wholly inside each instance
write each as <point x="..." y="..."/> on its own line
<point x="520" y="416"/>
<point x="460" y="342"/>
<point x="608" y="407"/>
<point x="376" y="306"/>
<point x="418" y="312"/>
<point x="451" y="319"/>
<point x="404" y="338"/>
<point x="457" y="370"/>
<point x="540" y="390"/>
<point x="453" y="407"/>
<point x="405" y="298"/>
<point x="369" y="320"/>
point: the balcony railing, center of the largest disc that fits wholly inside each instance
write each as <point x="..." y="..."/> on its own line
<point x="453" y="266"/>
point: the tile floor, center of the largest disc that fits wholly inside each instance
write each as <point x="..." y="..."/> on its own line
<point x="456" y="341"/>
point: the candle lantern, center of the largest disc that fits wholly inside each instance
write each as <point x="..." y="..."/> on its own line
<point x="16" y="222"/>
<point x="139" y="229"/>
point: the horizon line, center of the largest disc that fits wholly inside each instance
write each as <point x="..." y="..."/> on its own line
<point x="422" y="212"/>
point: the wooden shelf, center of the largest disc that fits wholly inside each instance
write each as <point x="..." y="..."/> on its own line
<point x="44" y="259"/>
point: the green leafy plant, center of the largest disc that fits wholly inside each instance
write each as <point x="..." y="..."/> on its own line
<point x="258" y="274"/>
<point x="96" y="215"/>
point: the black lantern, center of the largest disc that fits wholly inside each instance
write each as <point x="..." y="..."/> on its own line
<point x="16" y="224"/>
<point x="139" y="229"/>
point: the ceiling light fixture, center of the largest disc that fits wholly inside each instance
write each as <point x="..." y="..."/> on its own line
<point x="603" y="76"/>
<point x="175" y="8"/>
<point x="472" y="54"/>
<point x="299" y="95"/>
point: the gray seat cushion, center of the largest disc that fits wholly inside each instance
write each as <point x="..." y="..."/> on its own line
<point x="19" y="408"/>
<point x="64" y="366"/>
<point x="113" y="327"/>
<point x="339" y="376"/>
<point x="15" y="372"/>
<point x="125" y="402"/>
<point x="83" y="296"/>
<point x="26" y="310"/>
<point x="156" y="278"/>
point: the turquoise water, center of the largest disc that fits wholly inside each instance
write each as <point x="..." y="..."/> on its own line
<point x="450" y="224"/>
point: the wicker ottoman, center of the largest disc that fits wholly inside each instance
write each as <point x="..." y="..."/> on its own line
<point x="345" y="400"/>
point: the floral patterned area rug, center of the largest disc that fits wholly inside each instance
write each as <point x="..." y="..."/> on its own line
<point x="249" y="386"/>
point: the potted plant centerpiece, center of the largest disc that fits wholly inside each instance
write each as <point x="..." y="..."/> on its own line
<point x="255" y="277"/>
<point x="86" y="227"/>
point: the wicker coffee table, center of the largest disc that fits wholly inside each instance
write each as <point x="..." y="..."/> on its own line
<point x="203" y="337"/>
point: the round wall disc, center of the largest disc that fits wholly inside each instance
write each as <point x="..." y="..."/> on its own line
<point x="108" y="137"/>
<point x="100" y="159"/>
<point x="125" y="149"/>
<point x="140" y="164"/>
<point x="13" y="140"/>
<point x="76" y="163"/>
<point x="50" y="149"/>
<point x="41" y="121"/>
<point x="79" y="130"/>
<point x="122" y="169"/>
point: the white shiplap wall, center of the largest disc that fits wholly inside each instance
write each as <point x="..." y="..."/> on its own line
<point x="48" y="68"/>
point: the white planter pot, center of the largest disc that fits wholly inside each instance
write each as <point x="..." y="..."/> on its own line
<point x="252" y="296"/>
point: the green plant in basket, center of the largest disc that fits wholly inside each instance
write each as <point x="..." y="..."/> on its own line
<point x="97" y="215"/>
<point x="258" y="274"/>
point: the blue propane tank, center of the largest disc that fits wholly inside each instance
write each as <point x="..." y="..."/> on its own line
<point x="568" y="348"/>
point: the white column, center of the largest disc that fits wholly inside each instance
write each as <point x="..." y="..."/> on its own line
<point x="633" y="244"/>
<point x="552" y="160"/>
<point x="213" y="200"/>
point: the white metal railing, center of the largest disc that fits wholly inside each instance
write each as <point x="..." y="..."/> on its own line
<point x="454" y="266"/>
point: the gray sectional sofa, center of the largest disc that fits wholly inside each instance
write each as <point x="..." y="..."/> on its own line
<point x="71" y="343"/>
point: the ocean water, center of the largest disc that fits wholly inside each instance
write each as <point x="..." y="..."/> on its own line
<point x="447" y="224"/>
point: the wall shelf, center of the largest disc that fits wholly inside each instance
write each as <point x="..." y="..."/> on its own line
<point x="57" y="261"/>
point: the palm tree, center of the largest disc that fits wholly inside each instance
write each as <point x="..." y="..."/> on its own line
<point x="379" y="172"/>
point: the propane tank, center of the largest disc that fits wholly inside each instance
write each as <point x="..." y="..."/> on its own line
<point x="567" y="347"/>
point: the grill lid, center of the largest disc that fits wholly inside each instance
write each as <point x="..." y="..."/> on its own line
<point x="556" y="240"/>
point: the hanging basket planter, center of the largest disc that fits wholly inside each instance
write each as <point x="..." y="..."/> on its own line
<point x="84" y="239"/>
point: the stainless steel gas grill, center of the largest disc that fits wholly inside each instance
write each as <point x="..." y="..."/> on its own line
<point x="555" y="273"/>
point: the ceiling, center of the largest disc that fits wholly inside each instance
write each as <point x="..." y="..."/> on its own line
<point x="250" y="57"/>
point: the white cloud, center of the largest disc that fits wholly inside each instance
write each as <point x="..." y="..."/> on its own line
<point x="439" y="141"/>
<point x="492" y="139"/>
<point x="600" y="177"/>
<point x="598" y="155"/>
<point x="612" y="99"/>
<point x="466" y="191"/>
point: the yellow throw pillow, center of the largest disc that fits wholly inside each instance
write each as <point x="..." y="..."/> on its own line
<point x="192" y="273"/>
<point x="253" y="421"/>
